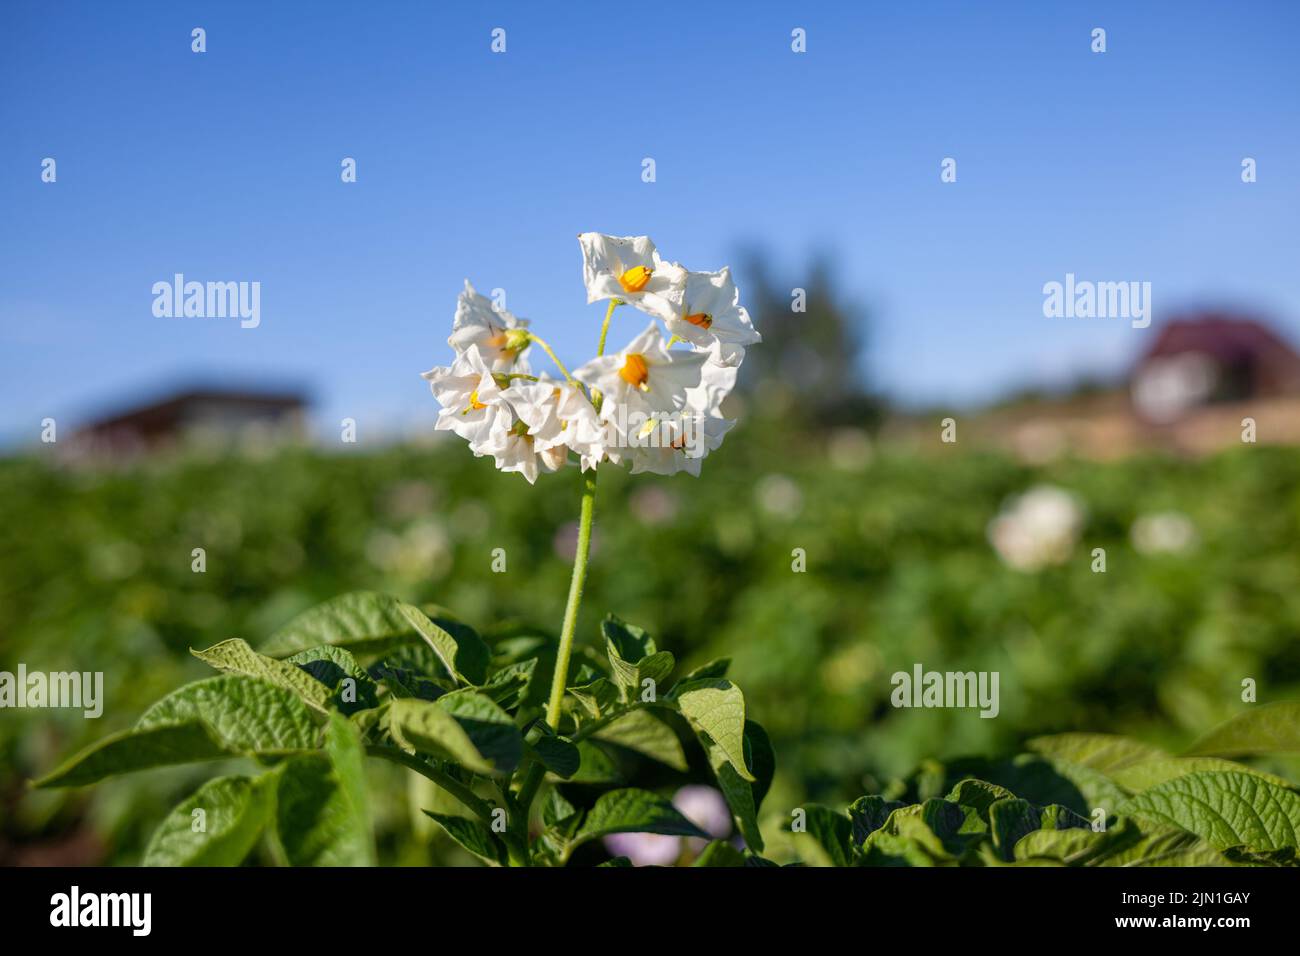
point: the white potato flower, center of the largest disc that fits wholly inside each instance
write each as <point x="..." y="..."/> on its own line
<point x="515" y="448"/>
<point x="669" y="444"/>
<point x="629" y="269"/>
<point x="470" y="396"/>
<point x="656" y="407"/>
<point x="711" y="317"/>
<point x="558" y="415"/>
<point x="646" y="376"/>
<point x="500" y="336"/>
<point x="1037" y="529"/>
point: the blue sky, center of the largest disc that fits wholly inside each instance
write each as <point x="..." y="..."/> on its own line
<point x="225" y="166"/>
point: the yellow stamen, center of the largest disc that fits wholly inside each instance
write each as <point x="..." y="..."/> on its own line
<point x="634" y="370"/>
<point x="702" y="319"/>
<point x="474" y="403"/>
<point x="635" y="279"/>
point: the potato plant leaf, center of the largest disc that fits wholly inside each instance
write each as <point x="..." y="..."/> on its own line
<point x="362" y="622"/>
<point x="461" y="650"/>
<point x="217" y="825"/>
<point x="633" y="811"/>
<point x="473" y="837"/>
<point x="715" y="709"/>
<point x="210" y="719"/>
<point x="1224" y="809"/>
<point x="235" y="656"/>
<point x="1264" y="729"/>
<point x="322" y="814"/>
<point x="640" y="730"/>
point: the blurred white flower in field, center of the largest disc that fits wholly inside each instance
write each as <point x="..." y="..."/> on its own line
<point x="645" y="849"/>
<point x="499" y="336"/>
<point x="1037" y="529"/>
<point x="706" y="808"/>
<point x="1163" y="532"/>
<point x="420" y="552"/>
<point x="849" y="449"/>
<point x="703" y="806"/>
<point x="629" y="269"/>
<point x="712" y="318"/>
<point x="778" y="496"/>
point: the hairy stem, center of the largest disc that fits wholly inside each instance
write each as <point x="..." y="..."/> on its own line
<point x="565" y="651"/>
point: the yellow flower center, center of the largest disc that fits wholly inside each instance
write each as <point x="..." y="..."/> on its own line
<point x="474" y="403"/>
<point x="634" y="370"/>
<point x="635" y="279"/>
<point x="702" y="319"/>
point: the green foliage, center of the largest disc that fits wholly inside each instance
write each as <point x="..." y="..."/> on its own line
<point x="97" y="577"/>
<point x="312" y="715"/>
<point x="1192" y="811"/>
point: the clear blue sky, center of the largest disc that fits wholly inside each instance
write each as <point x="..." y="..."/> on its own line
<point x="225" y="166"/>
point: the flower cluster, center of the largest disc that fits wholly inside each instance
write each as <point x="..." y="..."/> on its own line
<point x="655" y="404"/>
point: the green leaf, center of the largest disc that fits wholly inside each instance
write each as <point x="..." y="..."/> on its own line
<point x="207" y="720"/>
<point x="559" y="755"/>
<point x="1011" y="818"/>
<point x="234" y="811"/>
<point x="351" y="686"/>
<point x="642" y="731"/>
<point x="492" y="730"/>
<point x="712" y="670"/>
<point x="423" y="726"/>
<point x="933" y="833"/>
<point x="598" y="698"/>
<point x="743" y="797"/>
<point x="633" y="658"/>
<point x="597" y="766"/>
<point x="1264" y="729"/>
<point x="979" y="795"/>
<point x="720" y="853"/>
<point x="831" y="831"/>
<point x="1104" y="752"/>
<point x="347" y="754"/>
<point x="473" y="836"/>
<point x="715" y="709"/>
<point x="236" y="657"/>
<point x="362" y="622"/>
<point x="1224" y="809"/>
<point x="322" y="817"/>
<point x="868" y="814"/>
<point x="761" y="759"/>
<point x="461" y="650"/>
<point x="633" y="811"/>
<point x="1121" y="845"/>
<point x="1149" y="773"/>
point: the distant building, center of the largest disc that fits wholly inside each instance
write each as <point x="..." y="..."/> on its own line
<point x="1211" y="359"/>
<point x="1193" y="391"/>
<point x="208" y="416"/>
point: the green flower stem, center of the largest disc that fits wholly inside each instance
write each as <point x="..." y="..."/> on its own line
<point x="554" y="358"/>
<point x="565" y="651"/>
<point x="604" y="329"/>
